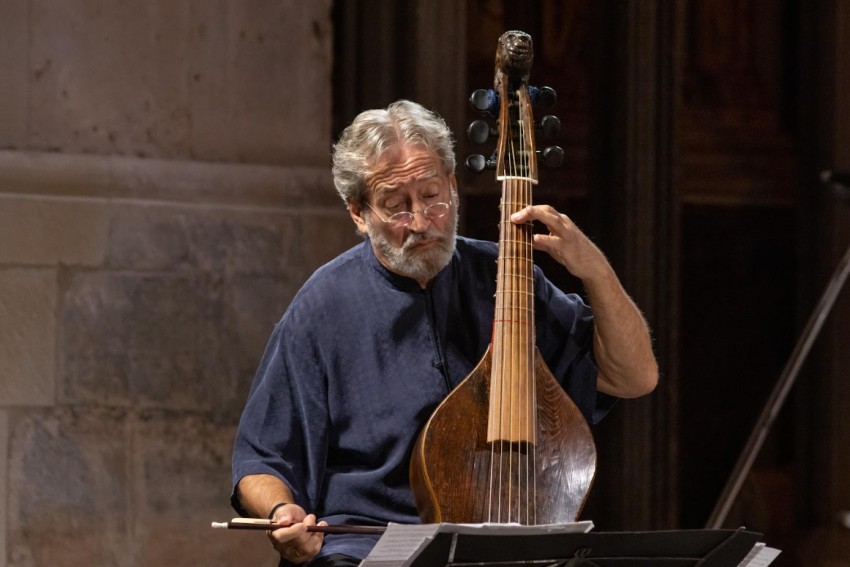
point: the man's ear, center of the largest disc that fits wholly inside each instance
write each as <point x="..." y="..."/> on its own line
<point x="356" y="212"/>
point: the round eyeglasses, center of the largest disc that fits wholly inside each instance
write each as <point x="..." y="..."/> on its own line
<point x="404" y="218"/>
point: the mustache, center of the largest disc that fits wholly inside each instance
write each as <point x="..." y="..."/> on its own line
<point x="415" y="237"/>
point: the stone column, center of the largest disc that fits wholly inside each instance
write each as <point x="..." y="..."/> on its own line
<point x="164" y="191"/>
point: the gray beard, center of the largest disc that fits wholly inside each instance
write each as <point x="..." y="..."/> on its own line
<point x="421" y="265"/>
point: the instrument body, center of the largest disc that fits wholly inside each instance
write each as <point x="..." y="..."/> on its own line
<point x="456" y="487"/>
<point x="507" y="444"/>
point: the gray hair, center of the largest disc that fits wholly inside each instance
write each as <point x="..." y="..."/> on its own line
<point x="374" y="132"/>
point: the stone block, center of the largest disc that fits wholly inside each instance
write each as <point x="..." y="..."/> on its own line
<point x="110" y="78"/>
<point x="258" y="303"/>
<point x="50" y="232"/>
<point x="183" y="319"/>
<point x="273" y="106"/>
<point x="324" y="236"/>
<point x="27" y="336"/>
<point x="14" y="73"/>
<point x="181" y="465"/>
<point x="218" y="242"/>
<point x="164" y="341"/>
<point x="217" y="81"/>
<point x="148" y="340"/>
<point x="68" y="497"/>
<point x="148" y="238"/>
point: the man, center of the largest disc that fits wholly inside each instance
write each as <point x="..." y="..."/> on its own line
<point x="379" y="336"/>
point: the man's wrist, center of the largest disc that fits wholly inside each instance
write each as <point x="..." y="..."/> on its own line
<point x="274" y="509"/>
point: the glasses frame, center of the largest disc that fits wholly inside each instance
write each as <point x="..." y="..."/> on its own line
<point x="403" y="219"/>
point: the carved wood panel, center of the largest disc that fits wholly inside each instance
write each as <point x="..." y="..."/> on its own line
<point x="736" y="147"/>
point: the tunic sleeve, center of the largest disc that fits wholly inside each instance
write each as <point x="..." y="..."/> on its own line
<point x="283" y="428"/>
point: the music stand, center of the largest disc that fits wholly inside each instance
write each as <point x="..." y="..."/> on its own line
<point x="670" y="548"/>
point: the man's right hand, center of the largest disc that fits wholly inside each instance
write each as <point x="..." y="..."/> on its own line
<point x="295" y="543"/>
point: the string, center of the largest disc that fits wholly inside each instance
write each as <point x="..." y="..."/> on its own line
<point x="526" y="305"/>
<point x="516" y="350"/>
<point x="497" y="434"/>
<point x="514" y="317"/>
<point x="523" y="350"/>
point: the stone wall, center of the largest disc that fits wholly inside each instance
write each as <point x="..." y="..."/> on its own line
<point x="164" y="191"/>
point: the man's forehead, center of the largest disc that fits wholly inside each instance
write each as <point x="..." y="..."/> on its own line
<point x="390" y="186"/>
<point x="404" y="167"/>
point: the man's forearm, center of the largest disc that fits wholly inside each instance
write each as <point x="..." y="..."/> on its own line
<point x="259" y="493"/>
<point x="622" y="343"/>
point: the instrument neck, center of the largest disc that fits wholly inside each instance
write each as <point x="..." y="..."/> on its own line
<point x="512" y="416"/>
<point x="512" y="400"/>
<point x="514" y="279"/>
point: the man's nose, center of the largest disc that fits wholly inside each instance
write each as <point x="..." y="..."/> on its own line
<point x="420" y="221"/>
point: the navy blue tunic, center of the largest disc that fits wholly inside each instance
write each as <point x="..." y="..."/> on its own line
<point x="358" y="363"/>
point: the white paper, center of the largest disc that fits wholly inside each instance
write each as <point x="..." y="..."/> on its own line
<point x="760" y="556"/>
<point x="517" y="529"/>
<point x="400" y="544"/>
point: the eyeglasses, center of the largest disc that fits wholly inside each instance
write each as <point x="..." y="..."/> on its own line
<point x="404" y="218"/>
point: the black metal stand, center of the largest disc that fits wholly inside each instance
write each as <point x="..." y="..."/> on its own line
<point x="677" y="548"/>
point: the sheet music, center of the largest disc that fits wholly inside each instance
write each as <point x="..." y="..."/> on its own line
<point x="760" y="556"/>
<point x="518" y="529"/>
<point x="401" y="543"/>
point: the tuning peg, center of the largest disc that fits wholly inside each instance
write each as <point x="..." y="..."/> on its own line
<point x="476" y="163"/>
<point x="553" y="157"/>
<point x="479" y="131"/>
<point x="485" y="100"/>
<point x="550" y="126"/>
<point x="542" y="96"/>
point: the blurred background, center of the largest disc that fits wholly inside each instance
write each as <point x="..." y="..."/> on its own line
<point x="165" y="190"/>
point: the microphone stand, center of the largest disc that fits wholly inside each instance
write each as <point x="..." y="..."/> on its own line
<point x="783" y="386"/>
